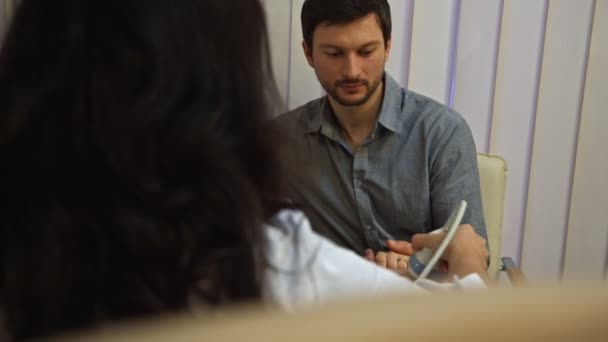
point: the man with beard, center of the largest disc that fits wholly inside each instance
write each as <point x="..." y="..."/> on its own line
<point x="371" y="163"/>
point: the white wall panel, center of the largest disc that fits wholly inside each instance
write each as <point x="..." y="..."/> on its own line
<point x="433" y="38"/>
<point x="303" y="84"/>
<point x="588" y="225"/>
<point x="279" y="20"/>
<point x="556" y="128"/>
<point x="517" y="78"/>
<point x="399" y="61"/>
<point x="475" y="69"/>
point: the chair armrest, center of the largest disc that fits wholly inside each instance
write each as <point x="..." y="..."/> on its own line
<point x="515" y="274"/>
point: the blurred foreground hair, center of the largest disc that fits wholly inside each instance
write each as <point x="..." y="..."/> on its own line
<point x="138" y="167"/>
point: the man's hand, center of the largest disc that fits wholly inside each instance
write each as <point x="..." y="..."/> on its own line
<point x="396" y="259"/>
<point x="401" y="247"/>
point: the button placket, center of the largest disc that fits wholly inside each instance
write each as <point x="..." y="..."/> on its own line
<point x="360" y="164"/>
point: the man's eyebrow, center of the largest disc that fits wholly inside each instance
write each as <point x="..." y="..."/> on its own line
<point x="372" y="44"/>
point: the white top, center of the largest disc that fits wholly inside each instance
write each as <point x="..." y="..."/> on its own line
<point x="306" y="268"/>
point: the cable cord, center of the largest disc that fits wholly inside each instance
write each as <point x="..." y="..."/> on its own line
<point x="451" y="226"/>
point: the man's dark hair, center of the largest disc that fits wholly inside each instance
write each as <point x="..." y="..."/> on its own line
<point x="329" y="12"/>
<point x="137" y="167"/>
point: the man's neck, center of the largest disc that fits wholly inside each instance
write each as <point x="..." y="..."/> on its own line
<point x="358" y="122"/>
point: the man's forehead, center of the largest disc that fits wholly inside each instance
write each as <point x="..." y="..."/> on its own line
<point x="370" y="19"/>
<point x="365" y="30"/>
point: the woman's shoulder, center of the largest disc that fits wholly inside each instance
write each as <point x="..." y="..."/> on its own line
<point x="291" y="241"/>
<point x="287" y="220"/>
<point x="289" y="254"/>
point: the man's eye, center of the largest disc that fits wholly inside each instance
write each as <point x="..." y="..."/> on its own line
<point x="366" y="52"/>
<point x="333" y="54"/>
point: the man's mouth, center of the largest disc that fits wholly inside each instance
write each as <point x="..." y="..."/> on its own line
<point x="351" y="86"/>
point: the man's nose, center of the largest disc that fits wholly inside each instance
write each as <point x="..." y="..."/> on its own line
<point x="351" y="68"/>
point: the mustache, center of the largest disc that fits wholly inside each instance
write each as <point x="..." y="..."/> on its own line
<point x="351" y="81"/>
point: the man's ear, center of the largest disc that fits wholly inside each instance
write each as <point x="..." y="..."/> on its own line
<point x="308" y="53"/>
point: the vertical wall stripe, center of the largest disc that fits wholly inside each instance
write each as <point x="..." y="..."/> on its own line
<point x="303" y="84"/>
<point x="453" y="52"/>
<point x="555" y="136"/>
<point x="533" y="126"/>
<point x="278" y="14"/>
<point x="431" y="41"/>
<point x="398" y="62"/>
<point x="586" y="241"/>
<point x="475" y="66"/>
<point x="514" y="107"/>
<point x="581" y="95"/>
<point x="289" y="56"/>
<point x="409" y="33"/>
<point x="494" y="76"/>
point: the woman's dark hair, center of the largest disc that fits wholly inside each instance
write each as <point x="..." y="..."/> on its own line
<point x="331" y="12"/>
<point x="137" y="163"/>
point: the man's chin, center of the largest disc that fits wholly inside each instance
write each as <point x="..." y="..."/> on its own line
<point x="351" y="104"/>
<point x="351" y="101"/>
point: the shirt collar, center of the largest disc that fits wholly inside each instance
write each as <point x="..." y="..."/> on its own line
<point x="321" y="116"/>
<point x="391" y="112"/>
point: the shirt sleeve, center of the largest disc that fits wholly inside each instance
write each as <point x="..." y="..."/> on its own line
<point x="305" y="269"/>
<point x="455" y="177"/>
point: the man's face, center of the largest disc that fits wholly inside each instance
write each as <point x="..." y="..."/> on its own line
<point x="349" y="59"/>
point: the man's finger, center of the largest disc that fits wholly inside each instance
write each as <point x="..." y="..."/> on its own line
<point x="381" y="259"/>
<point x="431" y="241"/>
<point x="401" y="247"/>
<point x="391" y="261"/>
<point x="402" y="266"/>
<point x="369" y="255"/>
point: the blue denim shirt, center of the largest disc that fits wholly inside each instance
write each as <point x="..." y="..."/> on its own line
<point x="415" y="167"/>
